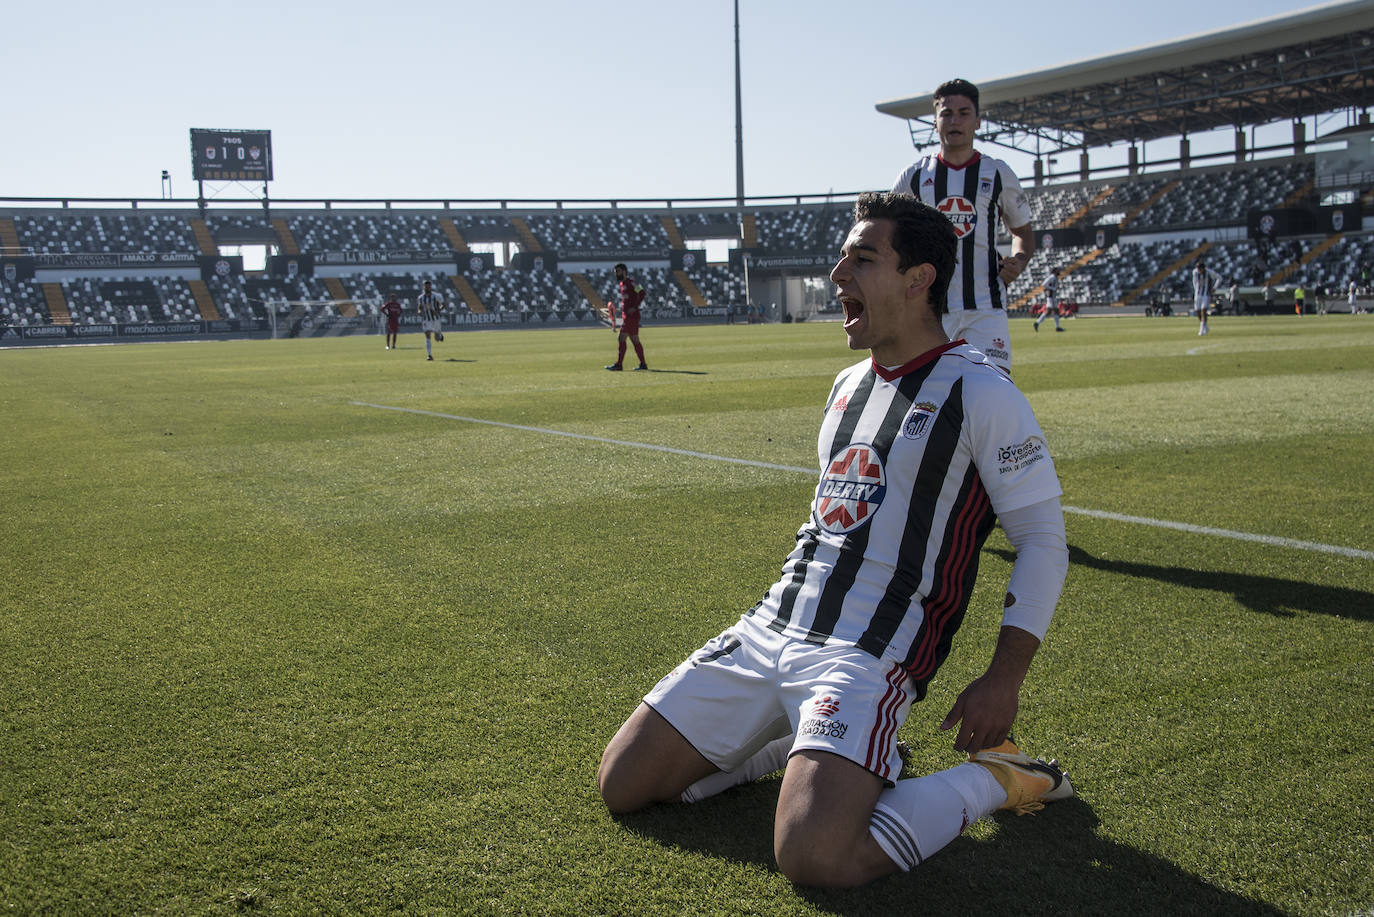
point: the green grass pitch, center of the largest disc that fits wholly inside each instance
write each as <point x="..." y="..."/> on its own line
<point x="267" y="648"/>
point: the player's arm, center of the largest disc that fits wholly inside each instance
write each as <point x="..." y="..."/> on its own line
<point x="987" y="708"/>
<point x="1022" y="247"/>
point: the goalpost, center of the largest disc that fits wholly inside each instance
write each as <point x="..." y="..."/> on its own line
<point x="289" y="318"/>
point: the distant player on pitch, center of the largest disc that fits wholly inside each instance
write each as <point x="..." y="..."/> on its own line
<point x="1204" y="285"/>
<point x="972" y="190"/>
<point x="631" y="298"/>
<point x="391" y="311"/>
<point x="1051" y="301"/>
<point x="431" y="306"/>
<point x="923" y="447"/>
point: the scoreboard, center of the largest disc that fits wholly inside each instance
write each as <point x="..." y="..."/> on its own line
<point x="231" y="155"/>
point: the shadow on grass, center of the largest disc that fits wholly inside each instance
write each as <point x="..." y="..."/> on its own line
<point x="1052" y="863"/>
<point x="1268" y="594"/>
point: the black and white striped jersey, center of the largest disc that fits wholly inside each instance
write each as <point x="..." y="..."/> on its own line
<point x="431" y="306"/>
<point x="972" y="196"/>
<point x="916" y="463"/>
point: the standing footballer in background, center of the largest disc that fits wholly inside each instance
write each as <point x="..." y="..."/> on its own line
<point x="431" y="306"/>
<point x="1051" y="301"/>
<point x="631" y="298"/>
<point x="972" y="190"/>
<point x="391" y="311"/>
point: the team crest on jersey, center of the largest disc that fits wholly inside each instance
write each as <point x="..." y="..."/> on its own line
<point x="962" y="214"/>
<point x="917" y="423"/>
<point x="985" y="186"/>
<point x="852" y="488"/>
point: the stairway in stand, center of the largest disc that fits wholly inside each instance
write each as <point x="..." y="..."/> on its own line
<point x="204" y="301"/>
<point x="465" y="290"/>
<point x="336" y="289"/>
<point x="9" y="237"/>
<point x="57" y="304"/>
<point x="691" y="289"/>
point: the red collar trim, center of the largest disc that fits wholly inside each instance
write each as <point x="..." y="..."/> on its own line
<point x="929" y="356"/>
<point x="976" y="156"/>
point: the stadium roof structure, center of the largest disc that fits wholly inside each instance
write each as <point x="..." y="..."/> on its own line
<point x="1295" y="65"/>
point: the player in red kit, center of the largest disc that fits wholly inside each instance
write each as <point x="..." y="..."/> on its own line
<point x="392" y="310"/>
<point x="631" y="298"/>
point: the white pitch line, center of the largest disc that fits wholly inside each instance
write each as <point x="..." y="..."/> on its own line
<point x="1225" y="533"/>
<point x="595" y="439"/>
<point x="1272" y="540"/>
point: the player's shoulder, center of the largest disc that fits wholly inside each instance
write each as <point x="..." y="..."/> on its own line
<point x="977" y="371"/>
<point x="905" y="177"/>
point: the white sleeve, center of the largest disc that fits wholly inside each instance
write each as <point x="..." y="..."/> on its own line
<point x="903" y="183"/>
<point x="1013" y="204"/>
<point x="1036" y="533"/>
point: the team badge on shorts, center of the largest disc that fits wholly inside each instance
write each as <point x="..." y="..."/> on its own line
<point x="852" y="488"/>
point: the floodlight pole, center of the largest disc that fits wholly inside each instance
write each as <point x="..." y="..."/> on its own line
<point x="739" y="122"/>
<point x="739" y="163"/>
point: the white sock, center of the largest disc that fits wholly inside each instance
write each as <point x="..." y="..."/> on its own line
<point x="429" y="348"/>
<point x="772" y="757"/>
<point x="916" y="818"/>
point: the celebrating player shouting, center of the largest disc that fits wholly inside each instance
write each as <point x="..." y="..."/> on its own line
<point x="921" y="448"/>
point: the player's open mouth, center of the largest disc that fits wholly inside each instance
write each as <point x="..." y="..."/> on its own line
<point x="853" y="311"/>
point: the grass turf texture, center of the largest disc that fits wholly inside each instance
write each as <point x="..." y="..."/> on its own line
<point x="265" y="650"/>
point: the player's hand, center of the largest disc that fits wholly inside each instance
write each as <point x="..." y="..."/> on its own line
<point x="985" y="711"/>
<point x="1008" y="269"/>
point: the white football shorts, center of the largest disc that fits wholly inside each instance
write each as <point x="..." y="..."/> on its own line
<point x="751" y="685"/>
<point x="431" y="325"/>
<point x="985" y="329"/>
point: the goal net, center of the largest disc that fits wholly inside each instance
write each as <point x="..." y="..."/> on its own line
<point x="292" y="318"/>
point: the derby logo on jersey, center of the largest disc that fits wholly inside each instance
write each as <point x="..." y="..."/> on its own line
<point x="917" y="423"/>
<point x="852" y="489"/>
<point x="961" y="213"/>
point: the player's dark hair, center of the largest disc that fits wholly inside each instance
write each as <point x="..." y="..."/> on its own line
<point x="621" y="267"/>
<point x="920" y="235"/>
<point x="957" y="88"/>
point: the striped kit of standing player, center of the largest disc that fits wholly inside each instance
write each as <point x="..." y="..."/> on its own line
<point x="971" y="196"/>
<point x="912" y="464"/>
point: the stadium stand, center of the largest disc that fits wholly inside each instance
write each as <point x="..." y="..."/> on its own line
<point x="109" y="233"/>
<point x="608" y="231"/>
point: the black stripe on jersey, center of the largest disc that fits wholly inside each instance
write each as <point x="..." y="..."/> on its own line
<point x="942" y="443"/>
<point x="955" y="570"/>
<point x="843" y="433"/>
<point x="841" y="579"/>
<point x="788" y="600"/>
<point x="968" y="260"/>
<point x="994" y="285"/>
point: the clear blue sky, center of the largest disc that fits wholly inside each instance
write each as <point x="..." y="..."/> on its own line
<point x="537" y="99"/>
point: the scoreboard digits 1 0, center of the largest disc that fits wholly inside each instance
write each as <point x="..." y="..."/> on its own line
<point x="231" y="155"/>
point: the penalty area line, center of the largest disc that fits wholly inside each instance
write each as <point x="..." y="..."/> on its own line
<point x="1271" y="540"/>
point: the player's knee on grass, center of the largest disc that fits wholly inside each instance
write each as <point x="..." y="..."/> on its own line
<point x="647" y="762"/>
<point x="820" y="835"/>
